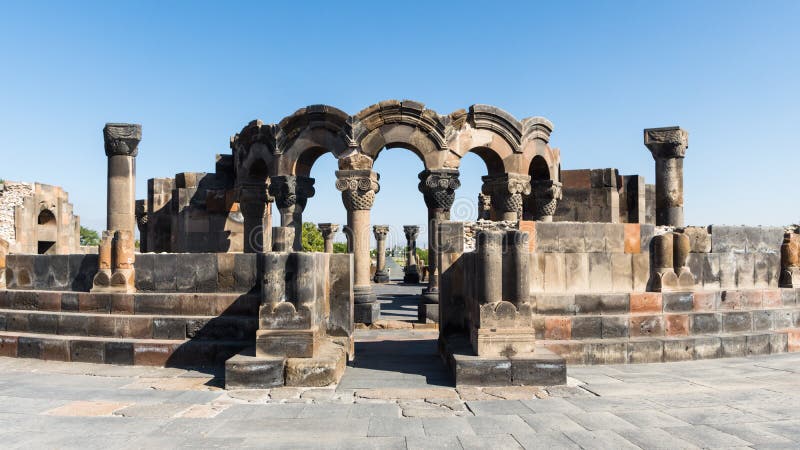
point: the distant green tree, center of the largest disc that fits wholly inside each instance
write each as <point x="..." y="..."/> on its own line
<point x="339" y="247"/>
<point x="423" y="255"/>
<point x="89" y="237"/>
<point x="312" y="238"/>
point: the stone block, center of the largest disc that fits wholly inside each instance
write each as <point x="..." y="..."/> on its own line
<point x="341" y="319"/>
<point x="600" y="272"/>
<point x="577" y="272"/>
<point x="323" y="370"/>
<point x="646" y="325"/>
<point x="9" y="346"/>
<point x="43" y="323"/>
<point x="706" y="323"/>
<point x="587" y="327"/>
<point x="647" y="233"/>
<point x="54" y="349"/>
<point x="573" y="352"/>
<point x="764" y="239"/>
<point x="762" y="320"/>
<point x="678" y="349"/>
<point x="676" y="324"/>
<point x="476" y="371"/>
<point x="633" y="238"/>
<point x="728" y="239"/>
<point x="87" y="351"/>
<point x="226" y="281"/>
<point x="733" y="322"/>
<point x="543" y="368"/>
<point x="73" y="325"/>
<point x="594" y="237"/>
<point x="645" y="351"/>
<point x="727" y="271"/>
<point x="554" y="303"/>
<point x="69" y="301"/>
<point x="615" y="237"/>
<point x="711" y="271"/>
<point x="773" y="269"/>
<point x="752" y="298"/>
<point x="788" y="296"/>
<point x="615" y="327"/>
<point x="745" y="271"/>
<point x="733" y="345"/>
<point x="758" y="344"/>
<point x="614" y="303"/>
<point x="570" y="236"/>
<point x="165" y="272"/>
<point x="557" y="328"/>
<point x="778" y="343"/>
<point x="29" y="347"/>
<point x="366" y="312"/>
<point x="145" y="272"/>
<point x="245" y="271"/>
<point x="588" y="303"/>
<point x="102" y="325"/>
<point x="555" y="275"/>
<point x="707" y="347"/>
<point x="696" y="263"/>
<point x="206" y="273"/>
<point x="245" y="371"/>
<point x="608" y="353"/>
<point x="781" y="318"/>
<point x="621" y="272"/>
<point x="706" y="301"/>
<point x="157" y="304"/>
<point x="640" y="267"/>
<point x="761" y="274"/>
<point x="731" y="300"/>
<point x="547" y="237"/>
<point x="119" y="352"/>
<point x="645" y="302"/>
<point x="169" y="328"/>
<point x="699" y="239"/>
<point x="677" y="301"/>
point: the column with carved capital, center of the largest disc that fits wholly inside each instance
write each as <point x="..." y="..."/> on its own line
<point x="256" y="206"/>
<point x="507" y="192"/>
<point x="291" y="194"/>
<point x="121" y="141"/>
<point x="328" y="231"/>
<point x="411" y="269"/>
<point x="546" y="194"/>
<point x="438" y="188"/>
<point x="668" y="147"/>
<point x="381" y="273"/>
<point x="358" y="189"/>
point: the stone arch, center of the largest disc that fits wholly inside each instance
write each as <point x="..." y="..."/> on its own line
<point x="535" y="143"/>
<point x="46" y="231"/>
<point x="402" y="124"/>
<point x="491" y="133"/>
<point x="254" y="151"/>
<point x="539" y="169"/>
<point x="309" y="133"/>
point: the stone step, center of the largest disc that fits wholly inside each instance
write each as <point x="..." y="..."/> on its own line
<point x="197" y="304"/>
<point x="667" y="302"/>
<point x="668" y="349"/>
<point x="609" y="326"/>
<point x="104" y="350"/>
<point x="129" y="326"/>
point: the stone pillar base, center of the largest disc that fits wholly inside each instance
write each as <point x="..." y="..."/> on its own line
<point x="367" y="313"/>
<point x="428" y="311"/>
<point x="363" y="294"/>
<point x="287" y="343"/>
<point x="790" y="277"/>
<point x="381" y="277"/>
<point x="411" y="277"/>
<point x="430" y="295"/>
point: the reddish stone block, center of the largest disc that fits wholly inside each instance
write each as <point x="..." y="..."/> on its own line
<point x="89" y="302"/>
<point x="557" y="328"/>
<point x="645" y="302"/>
<point x="152" y="354"/>
<point x="48" y="301"/>
<point x="121" y="303"/>
<point x="752" y="299"/>
<point x="530" y="227"/>
<point x="576" y="179"/>
<point x="202" y="305"/>
<point x="55" y="349"/>
<point x="794" y="340"/>
<point x="731" y="300"/>
<point x="633" y="238"/>
<point x="573" y="352"/>
<point x="771" y="298"/>
<point x="704" y="301"/>
<point x="677" y="324"/>
<point x="643" y="326"/>
<point x="8" y="346"/>
<point x="5" y="303"/>
<point x="135" y="327"/>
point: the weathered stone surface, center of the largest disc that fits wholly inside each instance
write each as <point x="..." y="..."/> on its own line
<point x="245" y="371"/>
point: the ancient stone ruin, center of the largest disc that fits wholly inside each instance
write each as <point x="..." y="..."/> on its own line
<point x="559" y="267"/>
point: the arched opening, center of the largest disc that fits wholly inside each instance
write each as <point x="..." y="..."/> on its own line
<point x="46" y="232"/>
<point x="326" y="204"/>
<point x="539" y="170"/>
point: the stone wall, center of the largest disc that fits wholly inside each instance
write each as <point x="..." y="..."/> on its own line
<point x="51" y="272"/>
<point x="38" y="218"/>
<point x="602" y="195"/>
<point x="12" y="194"/>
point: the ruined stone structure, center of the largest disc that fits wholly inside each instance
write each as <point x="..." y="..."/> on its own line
<point x="38" y="218"/>
<point x="527" y="289"/>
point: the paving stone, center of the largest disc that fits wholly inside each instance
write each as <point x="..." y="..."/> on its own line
<point x="600" y="439"/>
<point x="153" y="411"/>
<point x="447" y="426"/>
<point x="551" y="421"/>
<point x="365" y="410"/>
<point x="499" y="407"/>
<point x="600" y="421"/>
<point x="87" y="409"/>
<point x="706" y="437"/>
<point x="651" y="437"/>
<point x="514" y="392"/>
<point x="494" y="442"/>
<point x="389" y="426"/>
<point x="545" y="440"/>
<point x="428" y="442"/>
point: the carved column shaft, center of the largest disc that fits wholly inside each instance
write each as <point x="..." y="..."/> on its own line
<point x="291" y="195"/>
<point x="381" y="274"/>
<point x="256" y="206"/>
<point x="438" y="189"/>
<point x="358" y="188"/>
<point x="121" y="146"/>
<point x="328" y="231"/>
<point x="411" y="270"/>
<point x="668" y="147"/>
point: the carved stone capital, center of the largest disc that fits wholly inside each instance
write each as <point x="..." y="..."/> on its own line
<point x="122" y="138"/>
<point x="291" y="190"/>
<point x="358" y="188"/>
<point x="380" y="232"/>
<point x="411" y="232"/>
<point x="668" y="142"/>
<point x="507" y="191"/>
<point x="546" y="194"/>
<point x="328" y="229"/>
<point x="438" y="187"/>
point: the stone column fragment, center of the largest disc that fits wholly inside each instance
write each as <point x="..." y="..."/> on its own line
<point x="668" y="147"/>
<point x="121" y="146"/>
<point x="516" y="272"/>
<point x="381" y="273"/>
<point x="328" y="231"/>
<point x="291" y="195"/>
<point x="489" y="251"/>
<point x="438" y="188"/>
<point x="358" y="188"/>
<point x="790" y="261"/>
<point x="546" y="194"/>
<point x="411" y="269"/>
<point x="255" y="204"/>
<point x="283" y="239"/>
<point x="507" y="192"/>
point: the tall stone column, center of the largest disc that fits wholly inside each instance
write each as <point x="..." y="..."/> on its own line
<point x="507" y="192"/>
<point x="381" y="273"/>
<point x="358" y="189"/>
<point x="438" y="188"/>
<point x="328" y="231"/>
<point x="411" y="270"/>
<point x="121" y="145"/>
<point x="291" y="194"/>
<point x="668" y="147"/>
<point x="546" y="194"/>
<point x="256" y="206"/>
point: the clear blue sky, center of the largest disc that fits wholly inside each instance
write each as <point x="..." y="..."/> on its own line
<point x="194" y="73"/>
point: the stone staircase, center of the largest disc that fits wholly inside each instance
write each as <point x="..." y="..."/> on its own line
<point x="643" y="327"/>
<point x="155" y="329"/>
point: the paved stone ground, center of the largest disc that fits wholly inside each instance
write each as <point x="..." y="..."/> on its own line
<point x="398" y="300"/>
<point x="397" y="396"/>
